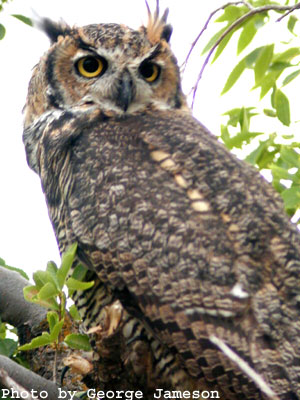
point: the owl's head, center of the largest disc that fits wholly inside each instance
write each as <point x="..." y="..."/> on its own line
<point x="119" y="69"/>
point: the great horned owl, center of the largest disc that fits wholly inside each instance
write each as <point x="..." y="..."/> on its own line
<point x="191" y="240"/>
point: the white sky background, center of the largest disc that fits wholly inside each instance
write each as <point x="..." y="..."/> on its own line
<point x="26" y="237"/>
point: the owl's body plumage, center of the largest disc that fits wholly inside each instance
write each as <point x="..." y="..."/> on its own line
<point x="192" y="241"/>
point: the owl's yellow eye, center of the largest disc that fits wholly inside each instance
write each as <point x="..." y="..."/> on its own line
<point x="149" y="71"/>
<point x="91" y="67"/>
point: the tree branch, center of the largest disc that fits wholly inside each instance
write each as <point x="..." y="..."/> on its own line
<point x="234" y="25"/>
<point x="13" y="385"/>
<point x="26" y="379"/>
<point x="231" y="3"/>
<point x="14" y="309"/>
<point x="293" y="8"/>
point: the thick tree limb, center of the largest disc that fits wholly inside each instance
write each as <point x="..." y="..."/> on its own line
<point x="8" y="382"/>
<point x="14" y="309"/>
<point x="27" y="379"/>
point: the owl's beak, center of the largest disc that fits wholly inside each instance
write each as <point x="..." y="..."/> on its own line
<point x="125" y="91"/>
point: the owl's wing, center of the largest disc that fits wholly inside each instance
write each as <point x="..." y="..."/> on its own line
<point x="222" y="260"/>
<point x="193" y="241"/>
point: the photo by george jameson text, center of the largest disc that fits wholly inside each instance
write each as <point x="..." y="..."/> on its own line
<point x="110" y="394"/>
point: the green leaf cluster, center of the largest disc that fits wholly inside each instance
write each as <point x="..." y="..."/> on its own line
<point x="20" y="17"/>
<point x="267" y="68"/>
<point x="271" y="71"/>
<point x="238" y="118"/>
<point x="48" y="292"/>
<point x="8" y="346"/>
<point x="248" y="29"/>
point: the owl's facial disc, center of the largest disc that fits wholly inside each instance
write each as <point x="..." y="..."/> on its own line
<point x="119" y="81"/>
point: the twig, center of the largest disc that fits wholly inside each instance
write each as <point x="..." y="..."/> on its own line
<point x="295" y="7"/>
<point x="231" y="3"/>
<point x="55" y="365"/>
<point x="236" y="23"/>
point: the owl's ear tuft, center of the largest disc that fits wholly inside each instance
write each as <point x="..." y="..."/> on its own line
<point x="157" y="28"/>
<point x="167" y="32"/>
<point x="53" y="29"/>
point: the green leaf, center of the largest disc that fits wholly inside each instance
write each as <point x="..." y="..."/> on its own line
<point x="234" y="116"/>
<point x="52" y="268"/>
<point x="240" y="138"/>
<point x="50" y="304"/>
<point x="251" y="58"/>
<point x="52" y="274"/>
<point x="2" y="330"/>
<point x="290" y="156"/>
<point x="31" y="294"/>
<point x="47" y="291"/>
<point x="288" y="55"/>
<point x="248" y="33"/>
<point x="74" y="284"/>
<point x="273" y="95"/>
<point x="40" y="278"/>
<point x="234" y="76"/>
<point x="268" y="83"/>
<point x="39" y="341"/>
<point x="213" y="40"/>
<point x="78" y="341"/>
<point x="24" y="19"/>
<point x="289" y="137"/>
<point x="290" y="77"/>
<point x="67" y="261"/>
<point x="79" y="272"/>
<point x="256" y="154"/>
<point x="267" y="159"/>
<point x="291" y="197"/>
<point x="2" y="31"/>
<point x="52" y="318"/>
<point x="278" y="186"/>
<point x="231" y="13"/>
<point x="245" y="121"/>
<point x="56" y="330"/>
<point x="223" y="44"/>
<point x="260" y="20"/>
<point x="280" y="66"/>
<point x="280" y="173"/>
<point x="291" y="23"/>
<point x="282" y="107"/>
<point x="74" y="313"/>
<point x="225" y="136"/>
<point x="270" y="113"/>
<point x="8" y="347"/>
<point x="263" y="61"/>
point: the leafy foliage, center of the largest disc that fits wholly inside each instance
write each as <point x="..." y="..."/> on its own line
<point x="20" y="17"/>
<point x="48" y="292"/>
<point x="273" y="67"/>
<point x="24" y="19"/>
<point x="8" y="346"/>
